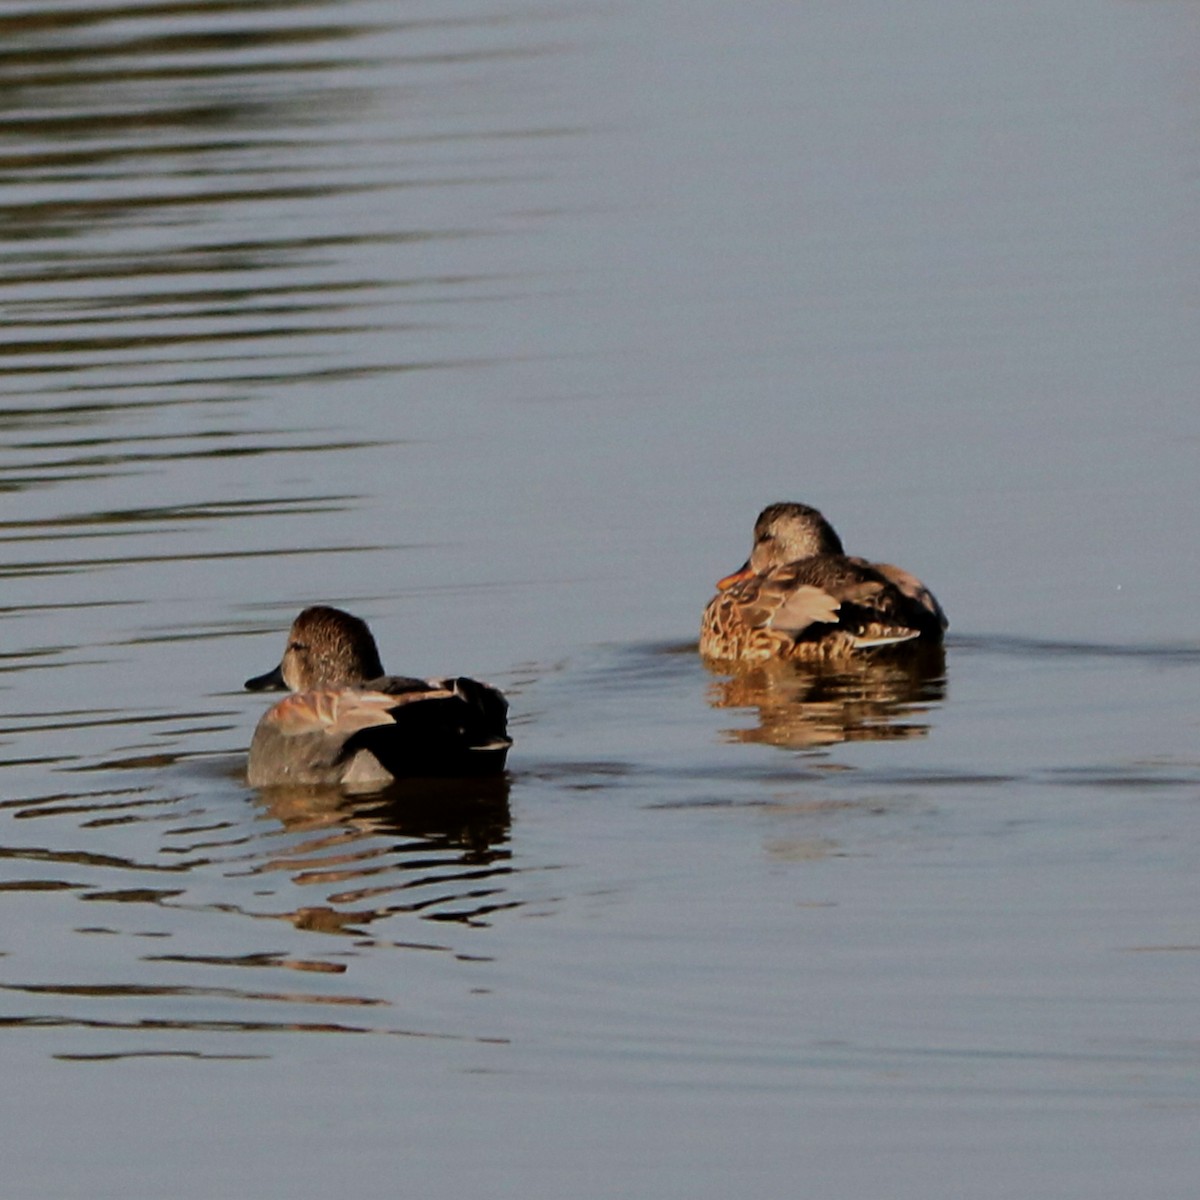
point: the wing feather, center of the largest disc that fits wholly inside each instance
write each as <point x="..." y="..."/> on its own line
<point x="798" y="608"/>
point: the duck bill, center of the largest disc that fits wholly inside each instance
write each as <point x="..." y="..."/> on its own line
<point x="272" y="681"/>
<point x="743" y="572"/>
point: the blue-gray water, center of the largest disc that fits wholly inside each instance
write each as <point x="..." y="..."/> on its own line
<point x="497" y="324"/>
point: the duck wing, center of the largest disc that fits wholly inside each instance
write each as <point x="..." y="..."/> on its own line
<point x="454" y="726"/>
<point x="486" y="707"/>
<point x="910" y="586"/>
<point x="331" y="712"/>
<point x="792" y="608"/>
<point x="881" y="605"/>
<point x="871" y="609"/>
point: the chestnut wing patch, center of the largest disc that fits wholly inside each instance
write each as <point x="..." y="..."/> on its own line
<point x="339" y="713"/>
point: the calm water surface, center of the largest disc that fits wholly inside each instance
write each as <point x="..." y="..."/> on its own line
<point x="497" y="324"/>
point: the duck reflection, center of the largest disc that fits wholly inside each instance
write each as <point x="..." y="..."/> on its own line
<point x="801" y="705"/>
<point x="437" y="848"/>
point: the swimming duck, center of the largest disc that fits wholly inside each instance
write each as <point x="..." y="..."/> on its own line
<point x="349" y="725"/>
<point x="800" y="596"/>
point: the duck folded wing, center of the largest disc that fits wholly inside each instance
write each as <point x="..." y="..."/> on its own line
<point x="909" y="585"/>
<point x="334" y="713"/>
<point x="456" y="726"/>
<point x="487" y="704"/>
<point x="484" y="702"/>
<point x="834" y="594"/>
<point x="799" y="608"/>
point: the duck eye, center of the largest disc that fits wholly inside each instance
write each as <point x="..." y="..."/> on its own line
<point x="297" y="646"/>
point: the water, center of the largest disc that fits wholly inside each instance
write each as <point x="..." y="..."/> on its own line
<point x="497" y="324"/>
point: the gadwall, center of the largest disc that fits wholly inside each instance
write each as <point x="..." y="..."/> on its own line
<point x="349" y="725"/>
<point x="799" y="596"/>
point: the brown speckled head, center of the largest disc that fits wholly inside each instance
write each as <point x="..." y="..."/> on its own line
<point x="788" y="532"/>
<point x="326" y="648"/>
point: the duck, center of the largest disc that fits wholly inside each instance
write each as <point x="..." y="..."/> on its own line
<point x="799" y="596"/>
<point x="349" y="725"/>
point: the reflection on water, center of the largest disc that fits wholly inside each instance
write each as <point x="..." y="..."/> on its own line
<point x="450" y="863"/>
<point x="315" y="861"/>
<point x="446" y="840"/>
<point x="801" y="705"/>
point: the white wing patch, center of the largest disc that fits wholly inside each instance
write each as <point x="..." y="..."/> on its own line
<point x="867" y="642"/>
